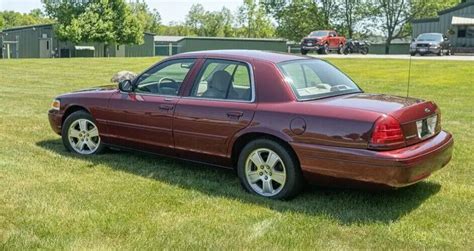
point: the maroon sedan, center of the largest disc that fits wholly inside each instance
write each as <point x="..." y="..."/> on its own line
<point x="278" y="119"/>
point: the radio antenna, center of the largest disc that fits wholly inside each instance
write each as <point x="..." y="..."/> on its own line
<point x="409" y="75"/>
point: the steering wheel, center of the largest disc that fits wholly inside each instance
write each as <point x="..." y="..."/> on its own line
<point x="166" y="78"/>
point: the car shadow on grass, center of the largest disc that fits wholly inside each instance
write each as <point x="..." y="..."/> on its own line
<point x="348" y="206"/>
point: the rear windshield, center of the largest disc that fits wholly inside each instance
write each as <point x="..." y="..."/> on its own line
<point x="313" y="79"/>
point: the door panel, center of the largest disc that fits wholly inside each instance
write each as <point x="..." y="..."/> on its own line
<point x="142" y="121"/>
<point x="205" y="127"/>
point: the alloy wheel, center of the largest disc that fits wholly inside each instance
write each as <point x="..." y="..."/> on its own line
<point x="265" y="172"/>
<point x="83" y="136"/>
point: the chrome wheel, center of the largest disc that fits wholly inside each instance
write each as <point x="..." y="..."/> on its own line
<point x="83" y="136"/>
<point x="265" y="172"/>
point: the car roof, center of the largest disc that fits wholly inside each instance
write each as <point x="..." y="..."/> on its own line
<point x="246" y="55"/>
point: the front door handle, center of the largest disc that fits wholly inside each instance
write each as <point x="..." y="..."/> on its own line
<point x="166" y="107"/>
<point x="235" y="114"/>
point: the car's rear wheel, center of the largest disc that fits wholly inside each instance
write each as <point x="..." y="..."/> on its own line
<point x="81" y="135"/>
<point x="268" y="169"/>
<point x="304" y="52"/>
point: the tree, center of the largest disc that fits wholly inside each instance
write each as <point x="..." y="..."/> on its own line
<point x="396" y="15"/>
<point x="10" y="19"/>
<point x="254" y="21"/>
<point x="296" y="19"/>
<point x="150" y="19"/>
<point x="108" y="21"/>
<point x="328" y="10"/>
<point x="352" y="12"/>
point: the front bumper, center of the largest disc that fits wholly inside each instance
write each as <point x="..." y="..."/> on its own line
<point x="313" y="47"/>
<point x="425" y="50"/>
<point x="395" y="168"/>
<point x="55" y="120"/>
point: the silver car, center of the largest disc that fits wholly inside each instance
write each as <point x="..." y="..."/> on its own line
<point x="431" y="43"/>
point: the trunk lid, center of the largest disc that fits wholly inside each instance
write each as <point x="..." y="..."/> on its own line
<point x="419" y="119"/>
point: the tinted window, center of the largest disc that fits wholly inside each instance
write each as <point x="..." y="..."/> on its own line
<point x="311" y="79"/>
<point x="222" y="79"/>
<point x="166" y="78"/>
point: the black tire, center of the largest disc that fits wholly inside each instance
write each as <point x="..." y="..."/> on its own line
<point x="304" y="52"/>
<point x="294" y="178"/>
<point x="364" y="50"/>
<point x="325" y="49"/>
<point x="65" y="132"/>
<point x="346" y="51"/>
<point x="413" y="54"/>
<point x="340" y="50"/>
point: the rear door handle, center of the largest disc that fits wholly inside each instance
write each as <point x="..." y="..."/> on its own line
<point x="235" y="114"/>
<point x="166" y="107"/>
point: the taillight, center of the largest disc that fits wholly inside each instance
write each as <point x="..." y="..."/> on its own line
<point x="387" y="132"/>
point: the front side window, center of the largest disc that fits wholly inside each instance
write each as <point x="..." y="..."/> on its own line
<point x="165" y="78"/>
<point x="313" y="79"/>
<point x="223" y="79"/>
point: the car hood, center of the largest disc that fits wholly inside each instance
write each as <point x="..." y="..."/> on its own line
<point x="98" y="88"/>
<point x="314" y="38"/>
<point x="372" y="102"/>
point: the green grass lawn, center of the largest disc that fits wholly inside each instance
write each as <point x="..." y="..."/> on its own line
<point x="51" y="199"/>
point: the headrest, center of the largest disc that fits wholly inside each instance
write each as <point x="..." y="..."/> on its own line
<point x="220" y="81"/>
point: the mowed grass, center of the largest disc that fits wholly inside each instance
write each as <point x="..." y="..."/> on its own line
<point x="52" y="199"/>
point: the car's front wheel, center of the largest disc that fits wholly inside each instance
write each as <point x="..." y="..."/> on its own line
<point x="268" y="169"/>
<point x="81" y="135"/>
<point x="304" y="52"/>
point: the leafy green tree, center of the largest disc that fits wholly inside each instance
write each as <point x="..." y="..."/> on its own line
<point x="254" y="20"/>
<point x="396" y="15"/>
<point x="297" y="18"/>
<point x="150" y="19"/>
<point x="10" y="19"/>
<point x="108" y="21"/>
<point x="352" y="12"/>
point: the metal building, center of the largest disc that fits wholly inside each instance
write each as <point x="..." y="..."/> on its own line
<point x="170" y="45"/>
<point x="40" y="41"/>
<point x="456" y="22"/>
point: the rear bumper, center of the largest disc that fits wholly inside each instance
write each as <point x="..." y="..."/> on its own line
<point x="396" y="168"/>
<point x="55" y="121"/>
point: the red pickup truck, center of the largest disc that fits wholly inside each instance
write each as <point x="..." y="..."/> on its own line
<point x="323" y="42"/>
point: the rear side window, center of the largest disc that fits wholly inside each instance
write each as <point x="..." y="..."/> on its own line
<point x="223" y="79"/>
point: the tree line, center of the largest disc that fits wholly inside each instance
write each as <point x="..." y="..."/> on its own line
<point x="123" y="22"/>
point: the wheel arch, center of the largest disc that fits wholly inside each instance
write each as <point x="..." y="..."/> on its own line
<point x="71" y="109"/>
<point x="242" y="140"/>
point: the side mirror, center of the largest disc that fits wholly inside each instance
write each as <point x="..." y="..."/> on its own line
<point x="413" y="40"/>
<point x="126" y="86"/>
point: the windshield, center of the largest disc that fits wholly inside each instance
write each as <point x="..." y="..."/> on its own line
<point x="430" y="37"/>
<point x="318" y="34"/>
<point x="313" y="79"/>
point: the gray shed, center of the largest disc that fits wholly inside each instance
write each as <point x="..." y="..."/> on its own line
<point x="40" y="41"/>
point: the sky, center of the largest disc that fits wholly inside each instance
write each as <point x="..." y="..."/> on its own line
<point x="169" y="10"/>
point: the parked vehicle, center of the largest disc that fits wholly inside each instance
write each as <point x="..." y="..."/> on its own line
<point x="431" y="43"/>
<point x="323" y="42"/>
<point x="356" y="46"/>
<point x="278" y="119"/>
